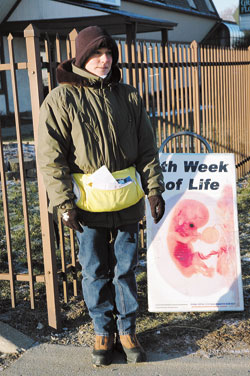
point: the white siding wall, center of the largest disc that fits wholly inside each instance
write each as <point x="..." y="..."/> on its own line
<point x="2" y="105"/>
<point x="5" y="7"/>
<point x="46" y="9"/>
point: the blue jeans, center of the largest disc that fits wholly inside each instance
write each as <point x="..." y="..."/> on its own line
<point x="109" y="258"/>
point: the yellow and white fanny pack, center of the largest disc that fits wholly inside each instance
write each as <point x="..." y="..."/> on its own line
<point x="106" y="192"/>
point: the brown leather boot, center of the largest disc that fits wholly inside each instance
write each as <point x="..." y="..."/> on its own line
<point x="134" y="353"/>
<point x="102" y="354"/>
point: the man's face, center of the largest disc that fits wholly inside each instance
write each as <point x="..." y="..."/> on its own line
<point x="100" y="62"/>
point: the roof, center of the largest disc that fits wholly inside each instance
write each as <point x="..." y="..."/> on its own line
<point x="234" y="30"/>
<point x="224" y="33"/>
<point x="143" y="22"/>
<point x="114" y="20"/>
<point x="184" y="6"/>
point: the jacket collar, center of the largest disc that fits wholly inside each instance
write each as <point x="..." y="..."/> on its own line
<point x="67" y="72"/>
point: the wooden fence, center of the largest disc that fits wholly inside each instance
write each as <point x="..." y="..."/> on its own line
<point x="201" y="89"/>
<point x="184" y="87"/>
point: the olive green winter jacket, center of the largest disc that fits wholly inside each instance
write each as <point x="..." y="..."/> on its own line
<point x="87" y="122"/>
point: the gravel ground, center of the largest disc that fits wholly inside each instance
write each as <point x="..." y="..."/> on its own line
<point x="205" y="334"/>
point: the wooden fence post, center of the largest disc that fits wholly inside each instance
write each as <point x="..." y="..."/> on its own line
<point x="21" y="168"/>
<point x="72" y="39"/>
<point x="248" y="114"/>
<point x="196" y="92"/>
<point x="31" y="35"/>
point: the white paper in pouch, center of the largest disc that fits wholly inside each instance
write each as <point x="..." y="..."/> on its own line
<point x="103" y="179"/>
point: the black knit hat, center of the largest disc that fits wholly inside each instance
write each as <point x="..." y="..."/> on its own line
<point x="89" y="40"/>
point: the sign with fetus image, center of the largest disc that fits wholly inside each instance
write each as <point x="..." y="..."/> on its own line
<point x="193" y="259"/>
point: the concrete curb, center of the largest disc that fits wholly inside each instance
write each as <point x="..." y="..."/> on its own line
<point x="12" y="341"/>
<point x="48" y="359"/>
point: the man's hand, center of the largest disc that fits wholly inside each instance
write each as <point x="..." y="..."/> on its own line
<point x="70" y="219"/>
<point x="157" y="206"/>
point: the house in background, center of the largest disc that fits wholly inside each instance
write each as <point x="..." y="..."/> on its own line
<point x="194" y="18"/>
<point x="144" y="19"/>
<point x="176" y="21"/>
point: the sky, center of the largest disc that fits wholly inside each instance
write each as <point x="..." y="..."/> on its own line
<point x="224" y="4"/>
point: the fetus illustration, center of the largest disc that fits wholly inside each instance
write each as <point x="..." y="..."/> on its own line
<point x="199" y="244"/>
<point x="188" y="217"/>
<point x="195" y="249"/>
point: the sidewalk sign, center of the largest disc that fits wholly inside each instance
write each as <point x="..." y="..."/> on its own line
<point x="193" y="258"/>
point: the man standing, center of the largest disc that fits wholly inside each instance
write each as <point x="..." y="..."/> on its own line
<point x="89" y="121"/>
